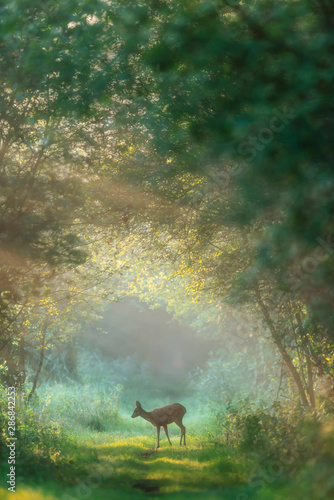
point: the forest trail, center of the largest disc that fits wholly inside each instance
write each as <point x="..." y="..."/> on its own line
<point x="131" y="468"/>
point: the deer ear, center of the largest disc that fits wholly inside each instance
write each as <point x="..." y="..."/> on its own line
<point x="138" y="404"/>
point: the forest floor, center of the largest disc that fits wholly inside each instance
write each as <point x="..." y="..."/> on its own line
<point x="104" y="466"/>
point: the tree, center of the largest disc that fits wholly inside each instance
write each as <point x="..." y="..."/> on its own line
<point x="209" y="117"/>
<point x="228" y="84"/>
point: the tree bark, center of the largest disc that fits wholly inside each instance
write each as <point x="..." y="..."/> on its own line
<point x="285" y="355"/>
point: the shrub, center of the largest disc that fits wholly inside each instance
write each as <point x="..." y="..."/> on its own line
<point x="277" y="434"/>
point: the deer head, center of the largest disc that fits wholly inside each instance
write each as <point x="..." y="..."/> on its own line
<point x="136" y="411"/>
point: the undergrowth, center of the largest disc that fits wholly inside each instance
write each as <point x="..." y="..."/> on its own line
<point x="72" y="435"/>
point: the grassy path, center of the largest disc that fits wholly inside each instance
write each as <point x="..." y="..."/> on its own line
<point x="123" y="464"/>
<point x="130" y="468"/>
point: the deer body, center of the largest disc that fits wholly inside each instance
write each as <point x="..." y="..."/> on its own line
<point x="161" y="417"/>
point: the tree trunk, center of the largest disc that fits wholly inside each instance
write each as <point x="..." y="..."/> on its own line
<point x="285" y="355"/>
<point x="310" y="381"/>
<point x="40" y="364"/>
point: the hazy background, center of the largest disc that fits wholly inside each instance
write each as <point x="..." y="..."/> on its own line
<point x="129" y="328"/>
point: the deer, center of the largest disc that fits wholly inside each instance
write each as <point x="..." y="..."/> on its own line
<point x="161" y="417"/>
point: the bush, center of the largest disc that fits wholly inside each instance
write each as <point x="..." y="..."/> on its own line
<point x="40" y="441"/>
<point x="278" y="434"/>
<point x="47" y="427"/>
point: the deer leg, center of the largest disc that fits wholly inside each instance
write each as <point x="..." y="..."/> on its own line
<point x="158" y="434"/>
<point x="183" y="431"/>
<point x="180" y="425"/>
<point x="166" y="432"/>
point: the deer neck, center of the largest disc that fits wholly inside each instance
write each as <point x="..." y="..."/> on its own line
<point x="146" y="415"/>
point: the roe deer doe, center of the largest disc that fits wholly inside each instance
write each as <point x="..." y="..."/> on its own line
<point x="160" y="417"/>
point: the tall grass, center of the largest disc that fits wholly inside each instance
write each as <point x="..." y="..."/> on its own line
<point x="243" y="452"/>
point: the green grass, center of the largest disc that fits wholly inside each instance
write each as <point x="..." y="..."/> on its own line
<point x="80" y="461"/>
<point x="104" y="466"/>
<point x="132" y="468"/>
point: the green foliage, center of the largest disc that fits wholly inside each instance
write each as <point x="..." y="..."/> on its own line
<point x="252" y="453"/>
<point x="3" y="421"/>
<point x="289" y="449"/>
<point x="277" y="434"/>
<point x="42" y="441"/>
<point x="215" y="83"/>
<point x="76" y="407"/>
<point x="201" y="130"/>
<point x="230" y="92"/>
